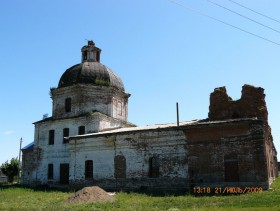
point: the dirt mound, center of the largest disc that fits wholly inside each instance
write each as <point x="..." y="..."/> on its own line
<point x="91" y="194"/>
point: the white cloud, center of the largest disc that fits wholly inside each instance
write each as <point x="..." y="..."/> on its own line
<point x="8" y="132"/>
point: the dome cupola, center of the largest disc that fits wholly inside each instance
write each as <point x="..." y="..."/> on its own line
<point x="90" y="53"/>
<point x="90" y="87"/>
<point x="90" y="71"/>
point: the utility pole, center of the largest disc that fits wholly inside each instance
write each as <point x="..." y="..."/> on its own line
<point x="19" y="159"/>
<point x="177" y="110"/>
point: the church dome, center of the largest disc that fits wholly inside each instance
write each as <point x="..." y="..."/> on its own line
<point x="90" y="71"/>
<point x="93" y="73"/>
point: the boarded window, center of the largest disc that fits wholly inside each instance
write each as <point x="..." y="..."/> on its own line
<point x="88" y="169"/>
<point x="51" y="137"/>
<point x="82" y="130"/>
<point x="120" y="166"/>
<point x="154" y="167"/>
<point x="65" y="135"/>
<point x="50" y="171"/>
<point x="231" y="168"/>
<point x="68" y="105"/>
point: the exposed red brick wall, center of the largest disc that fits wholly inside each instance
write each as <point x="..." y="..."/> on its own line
<point x="210" y="145"/>
<point x="271" y="154"/>
<point x="251" y="104"/>
<point x="216" y="133"/>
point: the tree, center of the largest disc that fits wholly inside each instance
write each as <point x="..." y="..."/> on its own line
<point x="10" y="169"/>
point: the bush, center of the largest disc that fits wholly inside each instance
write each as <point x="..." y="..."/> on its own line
<point x="10" y="169"/>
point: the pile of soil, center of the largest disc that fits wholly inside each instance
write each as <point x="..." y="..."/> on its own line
<point x="91" y="194"/>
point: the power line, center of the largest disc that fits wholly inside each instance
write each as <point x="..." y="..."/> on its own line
<point x="266" y="16"/>
<point x="243" y="16"/>
<point x="223" y="22"/>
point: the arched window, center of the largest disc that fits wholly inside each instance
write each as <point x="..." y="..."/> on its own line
<point x="154" y="167"/>
<point x="231" y="168"/>
<point x="68" y="104"/>
<point x="88" y="169"/>
<point x="85" y="55"/>
<point x="120" y="166"/>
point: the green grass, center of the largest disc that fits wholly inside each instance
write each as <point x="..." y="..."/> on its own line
<point x="18" y="198"/>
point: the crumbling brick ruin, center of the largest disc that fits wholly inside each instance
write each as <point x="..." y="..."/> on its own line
<point x="251" y="104"/>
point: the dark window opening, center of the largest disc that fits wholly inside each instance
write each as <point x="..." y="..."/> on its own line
<point x="154" y="167"/>
<point x="68" y="105"/>
<point x="51" y="137"/>
<point x="231" y="168"/>
<point x="235" y="116"/>
<point x="50" y="171"/>
<point x="98" y="56"/>
<point x="85" y="55"/>
<point x="88" y="169"/>
<point x="82" y="130"/>
<point x="120" y="166"/>
<point x="64" y="173"/>
<point x="65" y="135"/>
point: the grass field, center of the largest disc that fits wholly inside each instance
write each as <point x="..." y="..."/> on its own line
<point x="18" y="198"/>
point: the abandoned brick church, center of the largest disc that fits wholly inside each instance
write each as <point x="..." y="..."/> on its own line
<point x="88" y="140"/>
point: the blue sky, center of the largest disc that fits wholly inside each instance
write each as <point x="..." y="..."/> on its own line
<point x="164" y="54"/>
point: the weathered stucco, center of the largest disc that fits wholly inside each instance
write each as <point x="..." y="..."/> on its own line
<point x="137" y="148"/>
<point x="193" y="154"/>
<point x="88" y="98"/>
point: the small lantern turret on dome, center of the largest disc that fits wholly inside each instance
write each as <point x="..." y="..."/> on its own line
<point x="90" y="53"/>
